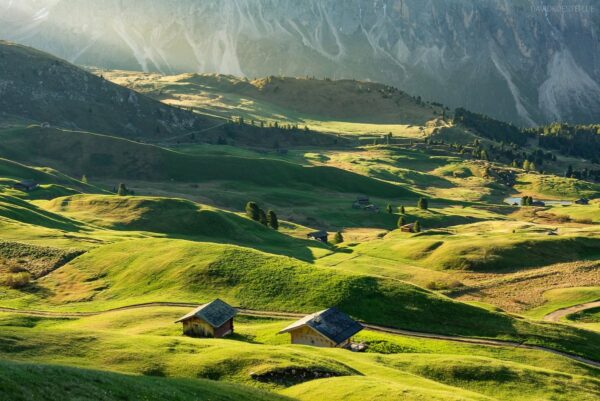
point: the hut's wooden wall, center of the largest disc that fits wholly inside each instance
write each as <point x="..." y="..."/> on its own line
<point x="307" y="336"/>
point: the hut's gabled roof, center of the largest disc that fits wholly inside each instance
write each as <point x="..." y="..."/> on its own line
<point x="331" y="323"/>
<point x="215" y="313"/>
<point x="28" y="183"/>
<point x="318" y="234"/>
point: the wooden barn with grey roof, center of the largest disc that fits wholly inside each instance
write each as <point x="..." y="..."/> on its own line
<point x="214" y="319"/>
<point x="327" y="328"/>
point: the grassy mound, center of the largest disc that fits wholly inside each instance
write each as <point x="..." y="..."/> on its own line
<point x="56" y="182"/>
<point x="553" y="187"/>
<point x="174" y="270"/>
<point x="178" y="218"/>
<point x="499" y="379"/>
<point x="368" y="388"/>
<point x="37" y="382"/>
<point x="560" y="298"/>
<point x="24" y="212"/>
<point x="160" y="215"/>
<point x="486" y="247"/>
<point x="579" y="213"/>
<point x="587" y="316"/>
<point x="104" y="156"/>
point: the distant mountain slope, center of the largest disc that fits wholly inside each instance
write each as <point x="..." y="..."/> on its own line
<point x="39" y="87"/>
<point x="528" y="62"/>
<point x="297" y="98"/>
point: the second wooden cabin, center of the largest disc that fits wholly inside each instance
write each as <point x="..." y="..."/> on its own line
<point x="327" y="328"/>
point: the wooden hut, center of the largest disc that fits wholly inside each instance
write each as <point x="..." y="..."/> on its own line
<point x="361" y="202"/>
<point x="26" y="185"/>
<point x="327" y="328"/>
<point x="214" y="319"/>
<point x="408" y="228"/>
<point x="322" y="236"/>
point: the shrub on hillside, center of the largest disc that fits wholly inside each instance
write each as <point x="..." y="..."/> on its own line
<point x="17" y="280"/>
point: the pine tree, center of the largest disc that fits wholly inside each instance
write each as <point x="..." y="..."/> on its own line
<point x="84" y="179"/>
<point x="272" y="220"/>
<point x="569" y="172"/>
<point x="423" y="204"/>
<point x="253" y="211"/>
<point x="526" y="165"/>
<point x="122" y="191"/>
<point x="417" y="227"/>
<point x="401" y="221"/>
<point x="389" y="209"/>
<point x="262" y="218"/>
<point x="402" y="211"/>
<point x="338" y="238"/>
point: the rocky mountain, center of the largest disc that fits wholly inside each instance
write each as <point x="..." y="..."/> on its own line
<point x="518" y="60"/>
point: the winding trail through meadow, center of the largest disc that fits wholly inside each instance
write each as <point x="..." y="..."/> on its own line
<point x="557" y="315"/>
<point x="288" y="315"/>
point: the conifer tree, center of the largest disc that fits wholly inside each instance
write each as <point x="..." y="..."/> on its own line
<point x="262" y="218"/>
<point x="253" y="211"/>
<point x="272" y="220"/>
<point x="417" y="227"/>
<point x="122" y="191"/>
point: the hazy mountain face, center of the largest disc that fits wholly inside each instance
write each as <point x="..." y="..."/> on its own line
<point x="518" y="60"/>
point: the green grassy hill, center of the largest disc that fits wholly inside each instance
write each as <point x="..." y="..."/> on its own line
<point x="11" y="172"/>
<point x="104" y="156"/>
<point x="21" y="382"/>
<point x="336" y="100"/>
<point x="146" y="342"/>
<point x="487" y="247"/>
<point x="178" y="218"/>
<point x="173" y="270"/>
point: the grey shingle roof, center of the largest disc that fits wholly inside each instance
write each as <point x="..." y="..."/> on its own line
<point x="215" y="313"/>
<point x="318" y="234"/>
<point x="331" y="323"/>
<point x="28" y="183"/>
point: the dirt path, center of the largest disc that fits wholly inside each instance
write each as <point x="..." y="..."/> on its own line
<point x="557" y="315"/>
<point x="287" y="315"/>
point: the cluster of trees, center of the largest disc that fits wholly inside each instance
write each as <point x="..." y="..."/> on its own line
<point x="267" y="219"/>
<point x="489" y="127"/>
<point x="422" y="204"/>
<point x="508" y="153"/>
<point x="584" y="174"/>
<point x="526" y="201"/>
<point x="572" y="140"/>
<point x="262" y="124"/>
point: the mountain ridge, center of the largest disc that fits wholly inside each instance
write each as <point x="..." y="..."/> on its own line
<point x="517" y="61"/>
